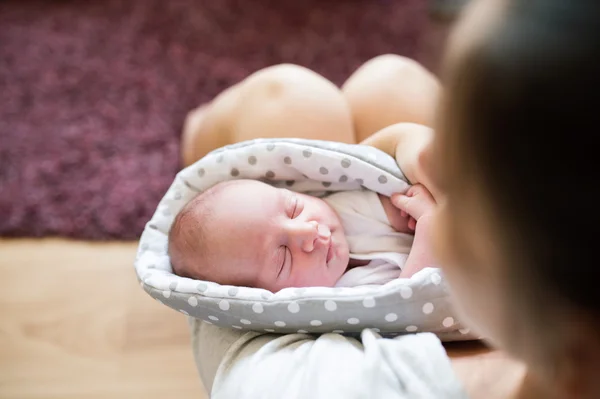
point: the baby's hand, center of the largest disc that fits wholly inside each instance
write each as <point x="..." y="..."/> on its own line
<point x="416" y="203"/>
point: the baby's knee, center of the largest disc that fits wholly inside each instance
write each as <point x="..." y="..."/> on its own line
<point x="393" y="67"/>
<point x="284" y="81"/>
<point x="292" y="101"/>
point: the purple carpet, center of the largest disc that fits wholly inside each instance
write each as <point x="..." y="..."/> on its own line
<point x="93" y="93"/>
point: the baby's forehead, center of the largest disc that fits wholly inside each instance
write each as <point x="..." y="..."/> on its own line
<point x="250" y="193"/>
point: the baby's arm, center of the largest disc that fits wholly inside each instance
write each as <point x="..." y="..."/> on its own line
<point x="405" y="142"/>
<point x="418" y="203"/>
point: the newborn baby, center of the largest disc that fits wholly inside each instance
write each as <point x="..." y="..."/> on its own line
<point x="248" y="233"/>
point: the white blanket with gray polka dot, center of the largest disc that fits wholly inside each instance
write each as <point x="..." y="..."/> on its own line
<point x="420" y="303"/>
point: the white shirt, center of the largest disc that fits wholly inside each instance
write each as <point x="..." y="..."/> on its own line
<point x="249" y="365"/>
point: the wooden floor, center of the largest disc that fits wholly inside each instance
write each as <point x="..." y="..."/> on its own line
<point x="75" y="324"/>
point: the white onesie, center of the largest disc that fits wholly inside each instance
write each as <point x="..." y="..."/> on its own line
<point x="370" y="236"/>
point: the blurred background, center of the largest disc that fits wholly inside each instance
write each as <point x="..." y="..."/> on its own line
<point x="93" y="95"/>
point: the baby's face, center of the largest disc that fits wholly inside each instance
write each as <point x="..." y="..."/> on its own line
<point x="273" y="238"/>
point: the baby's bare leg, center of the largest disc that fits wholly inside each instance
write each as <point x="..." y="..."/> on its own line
<point x="286" y="101"/>
<point x="390" y="89"/>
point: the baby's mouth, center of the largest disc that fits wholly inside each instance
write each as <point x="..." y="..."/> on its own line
<point x="329" y="251"/>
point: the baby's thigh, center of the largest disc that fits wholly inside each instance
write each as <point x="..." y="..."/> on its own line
<point x="289" y="101"/>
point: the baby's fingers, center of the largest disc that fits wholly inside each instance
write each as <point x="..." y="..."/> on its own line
<point x="411" y="205"/>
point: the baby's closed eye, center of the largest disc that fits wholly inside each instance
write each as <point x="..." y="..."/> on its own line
<point x="284" y="258"/>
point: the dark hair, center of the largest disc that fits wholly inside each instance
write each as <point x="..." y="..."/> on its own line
<point x="523" y="116"/>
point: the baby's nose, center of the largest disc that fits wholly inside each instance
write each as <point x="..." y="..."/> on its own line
<point x="315" y="233"/>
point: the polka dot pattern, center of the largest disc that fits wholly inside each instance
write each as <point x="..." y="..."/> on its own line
<point x="406" y="292"/>
<point x="287" y="160"/>
<point x="293" y="307"/>
<point x="353" y="320"/>
<point x="391" y="317"/>
<point x="224" y="305"/>
<point x="201" y="172"/>
<point x="436" y="278"/>
<point x="233" y="291"/>
<point x="448" y="322"/>
<point x="270" y="174"/>
<point x="213" y="318"/>
<point x="289" y="183"/>
<point x="257" y="308"/>
<point x="346" y="163"/>
<point x="269" y="330"/>
<point x="245" y="321"/>
<point x="343" y="179"/>
<point x="330" y="305"/>
<point x="173" y="286"/>
<point x="202" y="287"/>
<point x="316" y="323"/>
<point x="302" y="331"/>
<point x="338" y="331"/>
<point x="382" y="179"/>
<point x="411" y="328"/>
<point x="166" y="294"/>
<point x="360" y="181"/>
<point x="323" y="170"/>
<point x="369" y="302"/>
<point x="270" y="147"/>
<point x="428" y="308"/>
<point x="280" y="323"/>
<point x="307" y="153"/>
<point x="252" y="160"/>
<point x="193" y="301"/>
<point x="235" y="172"/>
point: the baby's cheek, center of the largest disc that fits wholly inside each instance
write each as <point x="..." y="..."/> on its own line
<point x="310" y="277"/>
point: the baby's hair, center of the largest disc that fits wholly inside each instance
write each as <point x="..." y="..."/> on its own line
<point x="190" y="237"/>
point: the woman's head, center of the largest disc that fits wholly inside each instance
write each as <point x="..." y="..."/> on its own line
<point x="516" y="160"/>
